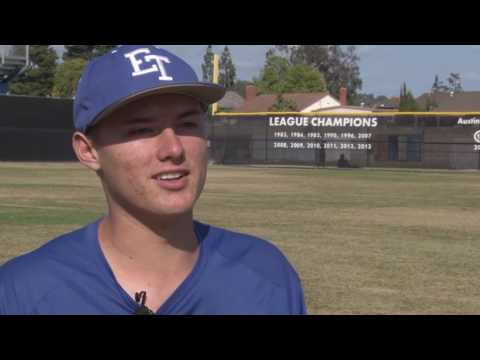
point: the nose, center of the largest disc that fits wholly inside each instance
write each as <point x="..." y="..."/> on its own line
<point x="170" y="146"/>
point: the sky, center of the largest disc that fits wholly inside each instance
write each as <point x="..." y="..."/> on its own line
<point x="383" y="68"/>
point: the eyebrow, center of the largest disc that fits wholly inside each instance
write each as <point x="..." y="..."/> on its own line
<point x="190" y="112"/>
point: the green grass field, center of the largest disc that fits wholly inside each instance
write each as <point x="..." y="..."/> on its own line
<point x="363" y="241"/>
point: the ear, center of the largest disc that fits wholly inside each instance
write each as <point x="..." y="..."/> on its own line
<point x="85" y="151"/>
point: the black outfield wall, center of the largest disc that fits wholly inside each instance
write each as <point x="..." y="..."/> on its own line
<point x="36" y="129"/>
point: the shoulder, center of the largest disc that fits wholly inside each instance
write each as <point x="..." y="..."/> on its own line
<point x="256" y="253"/>
<point x="26" y="278"/>
<point x="259" y="277"/>
<point x="61" y="249"/>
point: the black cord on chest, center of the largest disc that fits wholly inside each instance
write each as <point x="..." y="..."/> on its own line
<point x="141" y="298"/>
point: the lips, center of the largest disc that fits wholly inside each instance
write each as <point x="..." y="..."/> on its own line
<point x="170" y="176"/>
<point x="174" y="179"/>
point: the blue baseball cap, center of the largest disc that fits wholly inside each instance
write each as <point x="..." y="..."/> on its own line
<point x="130" y="72"/>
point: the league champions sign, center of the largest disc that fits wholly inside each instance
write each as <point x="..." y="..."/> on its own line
<point x="413" y="140"/>
<point x="323" y="140"/>
<point x="322" y="133"/>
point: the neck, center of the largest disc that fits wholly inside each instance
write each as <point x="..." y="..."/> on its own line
<point x="156" y="244"/>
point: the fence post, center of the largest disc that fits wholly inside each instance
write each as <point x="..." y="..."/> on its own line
<point x="266" y="140"/>
<point x="213" y="140"/>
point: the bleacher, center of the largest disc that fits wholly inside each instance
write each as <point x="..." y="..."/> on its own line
<point x="14" y="59"/>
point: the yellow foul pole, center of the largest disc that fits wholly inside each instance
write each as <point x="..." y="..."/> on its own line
<point x="216" y="72"/>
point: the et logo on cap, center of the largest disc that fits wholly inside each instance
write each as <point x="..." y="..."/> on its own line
<point x="158" y="65"/>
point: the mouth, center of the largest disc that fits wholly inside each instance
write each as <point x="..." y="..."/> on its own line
<point x="172" y="180"/>
<point x="171" y="176"/>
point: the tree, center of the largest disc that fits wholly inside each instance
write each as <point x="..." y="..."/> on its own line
<point x="338" y="64"/>
<point x="435" y="85"/>
<point x="304" y="78"/>
<point x="438" y="85"/>
<point x="67" y="76"/>
<point x="314" y="55"/>
<point x="207" y="66"/>
<point x="283" y="104"/>
<point x="38" y="79"/>
<point x="407" y="101"/>
<point x="78" y="51"/>
<point x="279" y="76"/>
<point x="99" y="50"/>
<point x="227" y="69"/>
<point x="273" y="75"/>
<point x="454" y="83"/>
<point x="85" y="52"/>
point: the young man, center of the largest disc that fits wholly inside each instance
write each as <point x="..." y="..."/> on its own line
<point x="140" y="120"/>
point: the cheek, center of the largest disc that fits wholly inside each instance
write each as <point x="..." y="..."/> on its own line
<point x="196" y="151"/>
<point x="122" y="169"/>
<point x="132" y="180"/>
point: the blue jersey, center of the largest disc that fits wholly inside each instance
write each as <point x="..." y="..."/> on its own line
<point x="234" y="274"/>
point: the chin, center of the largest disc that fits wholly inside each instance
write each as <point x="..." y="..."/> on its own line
<point x="178" y="211"/>
<point x="176" y="208"/>
<point x="162" y="204"/>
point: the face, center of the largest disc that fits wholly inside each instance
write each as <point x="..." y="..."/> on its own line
<point x="152" y="155"/>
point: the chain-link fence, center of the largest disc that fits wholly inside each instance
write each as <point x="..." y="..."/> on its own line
<point x="40" y="129"/>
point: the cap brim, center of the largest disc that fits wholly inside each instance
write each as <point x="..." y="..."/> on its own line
<point x="206" y="93"/>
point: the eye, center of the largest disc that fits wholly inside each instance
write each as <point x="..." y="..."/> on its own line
<point x="140" y="131"/>
<point x="190" y="124"/>
<point x="192" y="121"/>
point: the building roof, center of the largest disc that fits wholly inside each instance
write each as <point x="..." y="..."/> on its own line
<point x="263" y="103"/>
<point x="459" y="101"/>
<point x="392" y="103"/>
<point x="346" y="108"/>
<point x="231" y="100"/>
